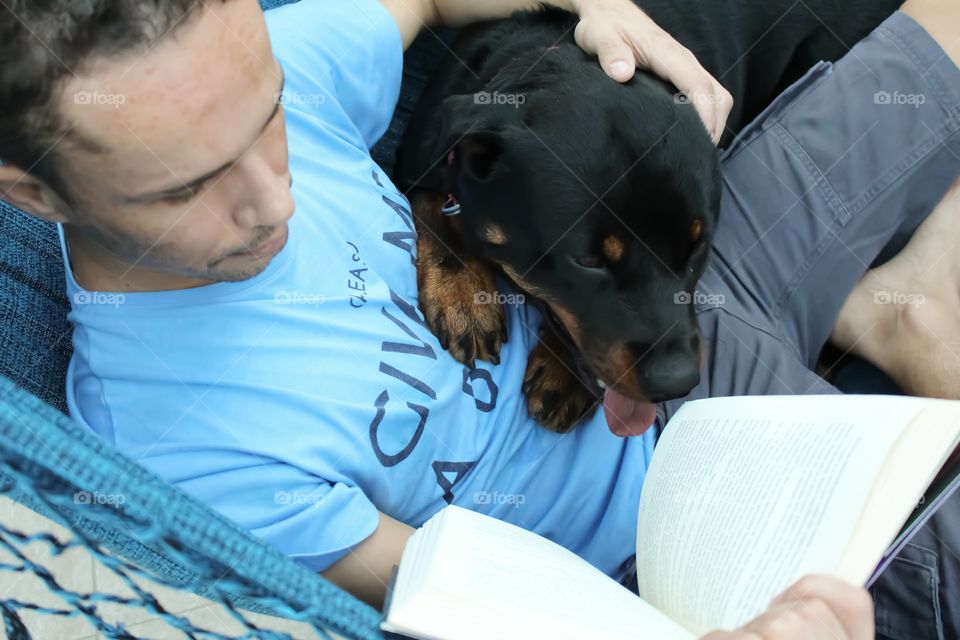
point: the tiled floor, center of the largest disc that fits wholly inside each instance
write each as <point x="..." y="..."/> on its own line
<point x="77" y="570"/>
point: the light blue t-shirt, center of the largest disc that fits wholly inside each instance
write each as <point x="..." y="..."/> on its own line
<point x="302" y="401"/>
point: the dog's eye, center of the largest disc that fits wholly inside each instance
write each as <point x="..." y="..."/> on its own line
<point x="589" y="262"/>
<point x="696" y="230"/>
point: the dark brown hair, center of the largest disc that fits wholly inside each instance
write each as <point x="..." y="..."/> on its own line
<point x="45" y="42"/>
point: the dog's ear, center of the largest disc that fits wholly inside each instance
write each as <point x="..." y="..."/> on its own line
<point x="472" y="134"/>
<point x="479" y="154"/>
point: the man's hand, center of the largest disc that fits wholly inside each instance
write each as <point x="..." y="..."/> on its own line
<point x="625" y="38"/>
<point x="815" y="608"/>
<point x="616" y="31"/>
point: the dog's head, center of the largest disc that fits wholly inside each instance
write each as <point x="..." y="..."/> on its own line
<point x="601" y="201"/>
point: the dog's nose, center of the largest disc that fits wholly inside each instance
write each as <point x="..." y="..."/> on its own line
<point x="670" y="377"/>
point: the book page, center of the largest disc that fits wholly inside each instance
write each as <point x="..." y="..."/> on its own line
<point x="923" y="450"/>
<point x="490" y="579"/>
<point x="746" y="495"/>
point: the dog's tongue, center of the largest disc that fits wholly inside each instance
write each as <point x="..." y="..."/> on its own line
<point x="627" y="417"/>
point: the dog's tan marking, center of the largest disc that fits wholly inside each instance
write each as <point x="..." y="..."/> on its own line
<point x="494" y="234"/>
<point x="696" y="229"/>
<point x="458" y="296"/>
<point x="613" y="248"/>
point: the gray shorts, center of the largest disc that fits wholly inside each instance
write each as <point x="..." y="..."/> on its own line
<point x="843" y="165"/>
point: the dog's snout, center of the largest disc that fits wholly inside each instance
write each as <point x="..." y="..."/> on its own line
<point x="670" y="368"/>
<point x="670" y="378"/>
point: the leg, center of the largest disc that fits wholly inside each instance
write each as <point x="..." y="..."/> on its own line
<point x="814" y="190"/>
<point x="903" y="315"/>
<point x="812" y="193"/>
<point x="842" y="182"/>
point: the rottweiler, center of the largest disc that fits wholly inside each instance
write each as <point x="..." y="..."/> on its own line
<point x="597" y="199"/>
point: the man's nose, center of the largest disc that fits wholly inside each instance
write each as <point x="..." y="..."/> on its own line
<point x="268" y="201"/>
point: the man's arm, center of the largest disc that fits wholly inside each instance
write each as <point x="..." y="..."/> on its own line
<point x="815" y="608"/>
<point x="365" y="571"/>
<point x="617" y="31"/>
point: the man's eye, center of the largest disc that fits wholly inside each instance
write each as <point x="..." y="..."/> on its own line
<point x="188" y="196"/>
<point x="183" y="198"/>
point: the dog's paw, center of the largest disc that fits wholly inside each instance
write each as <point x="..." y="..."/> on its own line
<point x="555" y="396"/>
<point x="461" y="306"/>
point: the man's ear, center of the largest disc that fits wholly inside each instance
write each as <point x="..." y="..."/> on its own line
<point x="22" y="190"/>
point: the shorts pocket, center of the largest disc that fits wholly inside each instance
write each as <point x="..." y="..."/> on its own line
<point x="814" y="76"/>
<point x="906" y="597"/>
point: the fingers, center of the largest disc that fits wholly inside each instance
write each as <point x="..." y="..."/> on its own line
<point x="801" y="620"/>
<point x="806" y="620"/>
<point x="712" y="101"/>
<point x="815" y="608"/>
<point x="617" y="57"/>
<point x="729" y="635"/>
<point x="851" y="605"/>
<point x="623" y="38"/>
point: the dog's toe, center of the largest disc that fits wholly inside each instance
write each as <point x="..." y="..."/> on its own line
<point x="461" y="307"/>
<point x="555" y="396"/>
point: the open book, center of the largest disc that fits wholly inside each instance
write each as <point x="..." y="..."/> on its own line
<point x="743" y="497"/>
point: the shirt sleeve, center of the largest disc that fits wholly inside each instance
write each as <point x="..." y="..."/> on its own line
<point x="315" y="522"/>
<point x="343" y="62"/>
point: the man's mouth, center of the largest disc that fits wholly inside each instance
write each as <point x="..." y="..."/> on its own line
<point x="266" y="249"/>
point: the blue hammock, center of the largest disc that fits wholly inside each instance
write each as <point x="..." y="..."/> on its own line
<point x="158" y="531"/>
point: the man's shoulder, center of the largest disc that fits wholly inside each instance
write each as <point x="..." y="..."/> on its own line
<point x="343" y="61"/>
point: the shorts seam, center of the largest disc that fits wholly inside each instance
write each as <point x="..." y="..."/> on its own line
<point x="914" y="157"/>
<point x="839" y="213"/>
<point x="820" y="180"/>
<point x="933" y="598"/>
<point x="949" y="100"/>
<point x="771" y="332"/>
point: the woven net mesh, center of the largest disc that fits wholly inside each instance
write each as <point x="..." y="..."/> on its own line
<point x="107" y="508"/>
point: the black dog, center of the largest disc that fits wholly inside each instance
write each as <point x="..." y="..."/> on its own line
<point x="597" y="199"/>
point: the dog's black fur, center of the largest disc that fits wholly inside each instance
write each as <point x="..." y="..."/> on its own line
<point x="597" y="198"/>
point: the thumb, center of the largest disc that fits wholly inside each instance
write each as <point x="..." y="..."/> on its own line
<point x="616" y="57"/>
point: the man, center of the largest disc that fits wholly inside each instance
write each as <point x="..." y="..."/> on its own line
<point x="276" y="367"/>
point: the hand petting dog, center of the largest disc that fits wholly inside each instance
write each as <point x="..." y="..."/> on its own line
<point x="624" y="38"/>
<point x="621" y="35"/>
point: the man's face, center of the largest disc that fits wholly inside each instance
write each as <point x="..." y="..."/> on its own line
<point x="193" y="180"/>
